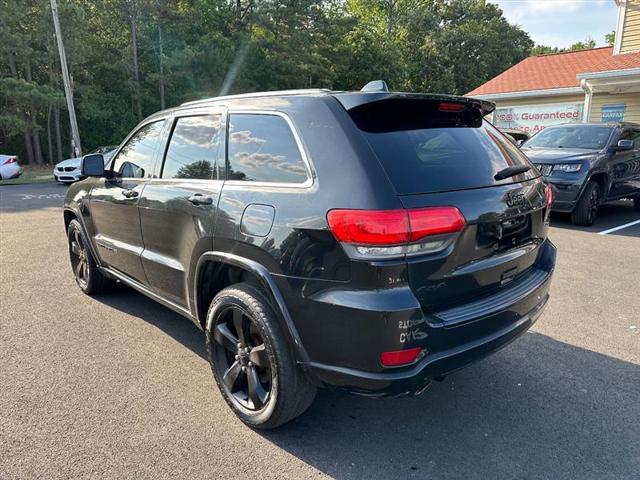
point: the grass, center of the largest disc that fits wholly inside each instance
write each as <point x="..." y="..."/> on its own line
<point x="32" y="174"/>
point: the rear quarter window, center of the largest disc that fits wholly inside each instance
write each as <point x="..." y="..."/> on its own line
<point x="263" y="148"/>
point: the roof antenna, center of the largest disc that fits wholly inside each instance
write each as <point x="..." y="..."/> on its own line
<point x="375" y="86"/>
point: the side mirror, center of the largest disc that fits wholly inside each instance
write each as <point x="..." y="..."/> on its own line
<point x="92" y="165"/>
<point x="623" y="145"/>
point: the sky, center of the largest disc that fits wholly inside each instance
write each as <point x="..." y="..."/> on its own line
<point x="560" y="23"/>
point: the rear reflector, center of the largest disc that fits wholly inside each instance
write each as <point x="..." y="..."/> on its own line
<point x="549" y="194"/>
<point x="393" y="227"/>
<point x="399" y="357"/>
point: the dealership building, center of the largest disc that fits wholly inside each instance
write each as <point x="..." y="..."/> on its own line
<point x="595" y="85"/>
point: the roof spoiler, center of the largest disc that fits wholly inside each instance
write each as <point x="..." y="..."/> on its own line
<point x="373" y="92"/>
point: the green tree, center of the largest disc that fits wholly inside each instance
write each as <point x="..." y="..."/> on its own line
<point x="610" y="38"/>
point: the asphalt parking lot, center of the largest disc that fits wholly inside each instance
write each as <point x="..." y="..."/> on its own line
<point x="118" y="386"/>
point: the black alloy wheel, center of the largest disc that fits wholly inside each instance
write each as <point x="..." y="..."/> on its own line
<point x="241" y="359"/>
<point x="79" y="259"/>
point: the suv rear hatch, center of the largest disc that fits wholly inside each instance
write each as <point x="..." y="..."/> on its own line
<point x="438" y="151"/>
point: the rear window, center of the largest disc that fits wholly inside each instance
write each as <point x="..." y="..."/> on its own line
<point x="424" y="150"/>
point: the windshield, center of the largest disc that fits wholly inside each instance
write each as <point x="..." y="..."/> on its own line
<point x="587" y="137"/>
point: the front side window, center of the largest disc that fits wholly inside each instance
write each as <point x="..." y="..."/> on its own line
<point x="135" y="160"/>
<point x="630" y="135"/>
<point x="262" y="148"/>
<point x="194" y="148"/>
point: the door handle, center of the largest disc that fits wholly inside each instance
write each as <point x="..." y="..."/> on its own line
<point x="200" y="199"/>
<point x="130" y="193"/>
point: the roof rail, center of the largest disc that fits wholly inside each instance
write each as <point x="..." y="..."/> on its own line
<point x="274" y="93"/>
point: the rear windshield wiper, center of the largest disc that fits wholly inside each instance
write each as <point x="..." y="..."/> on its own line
<point x="511" y="171"/>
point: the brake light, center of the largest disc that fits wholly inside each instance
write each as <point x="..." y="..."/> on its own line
<point x="549" y="194"/>
<point x="400" y="357"/>
<point x="11" y="160"/>
<point x="434" y="221"/>
<point x="387" y="233"/>
<point x="451" y="107"/>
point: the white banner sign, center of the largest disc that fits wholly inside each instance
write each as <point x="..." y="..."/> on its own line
<point x="534" y="118"/>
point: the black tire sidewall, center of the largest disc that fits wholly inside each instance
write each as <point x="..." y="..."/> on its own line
<point x="582" y="214"/>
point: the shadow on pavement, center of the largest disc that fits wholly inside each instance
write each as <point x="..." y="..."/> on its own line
<point x="171" y="323"/>
<point x="538" y="409"/>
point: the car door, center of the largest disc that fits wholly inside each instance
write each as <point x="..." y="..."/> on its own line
<point x="178" y="209"/>
<point x="114" y="201"/>
<point x="625" y="166"/>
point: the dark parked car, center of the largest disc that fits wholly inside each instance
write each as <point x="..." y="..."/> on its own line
<point x="366" y="241"/>
<point x="588" y="164"/>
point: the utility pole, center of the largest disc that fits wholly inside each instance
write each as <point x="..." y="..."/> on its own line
<point x="68" y="93"/>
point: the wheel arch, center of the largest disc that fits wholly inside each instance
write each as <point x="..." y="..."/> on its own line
<point x="603" y="180"/>
<point x="217" y="270"/>
<point x="69" y="214"/>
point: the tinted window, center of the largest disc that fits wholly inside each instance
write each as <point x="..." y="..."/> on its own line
<point x="194" y="148"/>
<point x="631" y="135"/>
<point x="424" y="150"/>
<point x="262" y="148"/>
<point x="587" y="137"/>
<point x="135" y="160"/>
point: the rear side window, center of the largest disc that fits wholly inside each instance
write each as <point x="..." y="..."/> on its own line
<point x="425" y="150"/>
<point x="195" y="146"/>
<point x="262" y="148"/>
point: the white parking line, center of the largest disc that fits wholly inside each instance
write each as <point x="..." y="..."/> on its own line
<point x="620" y="227"/>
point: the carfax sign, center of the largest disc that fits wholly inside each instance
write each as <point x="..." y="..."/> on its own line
<point x="533" y="118"/>
<point x="613" y="113"/>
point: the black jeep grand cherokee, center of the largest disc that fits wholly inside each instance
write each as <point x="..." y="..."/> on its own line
<point x="588" y="164"/>
<point x="369" y="241"/>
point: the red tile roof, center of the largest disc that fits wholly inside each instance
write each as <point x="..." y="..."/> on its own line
<point x="557" y="70"/>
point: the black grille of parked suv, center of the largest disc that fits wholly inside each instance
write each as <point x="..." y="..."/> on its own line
<point x="366" y="241"/>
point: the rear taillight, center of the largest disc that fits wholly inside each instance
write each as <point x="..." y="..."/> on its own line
<point x="549" y="194"/>
<point x="11" y="160"/>
<point x="394" y="233"/>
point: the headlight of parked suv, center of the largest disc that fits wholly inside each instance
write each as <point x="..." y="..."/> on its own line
<point x="568" y="167"/>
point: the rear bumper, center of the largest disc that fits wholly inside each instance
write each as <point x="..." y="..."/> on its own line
<point x="450" y="342"/>
<point x="416" y="378"/>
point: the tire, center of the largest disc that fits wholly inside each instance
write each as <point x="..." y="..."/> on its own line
<point x="636" y="203"/>
<point x="86" y="273"/>
<point x="586" y="209"/>
<point x="259" y="355"/>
